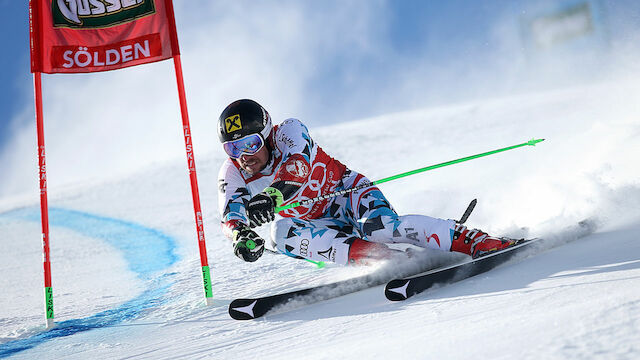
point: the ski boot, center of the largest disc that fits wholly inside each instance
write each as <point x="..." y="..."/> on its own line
<point x="477" y="243"/>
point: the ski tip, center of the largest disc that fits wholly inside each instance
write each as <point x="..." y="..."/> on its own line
<point x="533" y="142"/>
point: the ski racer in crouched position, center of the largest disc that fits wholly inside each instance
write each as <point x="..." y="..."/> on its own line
<point x="270" y="166"/>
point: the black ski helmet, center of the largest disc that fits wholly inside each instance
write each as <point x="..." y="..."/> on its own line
<point x="242" y="118"/>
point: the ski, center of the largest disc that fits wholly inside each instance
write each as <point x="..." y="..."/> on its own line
<point x="247" y="309"/>
<point x="252" y="308"/>
<point x="403" y="288"/>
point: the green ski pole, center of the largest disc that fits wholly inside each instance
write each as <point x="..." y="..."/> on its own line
<point x="531" y="142"/>
<point x="319" y="264"/>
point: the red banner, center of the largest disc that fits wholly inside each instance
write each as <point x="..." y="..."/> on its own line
<point x="79" y="36"/>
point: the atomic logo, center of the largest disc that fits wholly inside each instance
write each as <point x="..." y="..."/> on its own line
<point x="327" y="254"/>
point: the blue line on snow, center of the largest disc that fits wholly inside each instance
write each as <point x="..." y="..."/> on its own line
<point x="145" y="250"/>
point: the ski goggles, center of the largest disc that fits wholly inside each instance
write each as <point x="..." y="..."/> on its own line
<point x="249" y="145"/>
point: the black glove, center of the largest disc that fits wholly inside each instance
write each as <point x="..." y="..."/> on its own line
<point x="247" y="245"/>
<point x="261" y="209"/>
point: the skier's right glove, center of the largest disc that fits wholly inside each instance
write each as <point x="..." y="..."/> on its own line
<point x="260" y="209"/>
<point x="247" y="245"/>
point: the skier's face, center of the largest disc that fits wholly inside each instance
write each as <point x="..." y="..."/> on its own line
<point x="253" y="164"/>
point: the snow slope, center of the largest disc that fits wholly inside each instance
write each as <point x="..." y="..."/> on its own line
<point x="126" y="272"/>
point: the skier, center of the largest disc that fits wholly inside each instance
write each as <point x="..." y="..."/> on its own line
<point x="271" y="166"/>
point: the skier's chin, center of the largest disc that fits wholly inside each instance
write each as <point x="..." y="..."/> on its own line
<point x="252" y="167"/>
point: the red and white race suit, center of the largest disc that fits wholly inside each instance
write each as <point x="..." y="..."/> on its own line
<point x="325" y="230"/>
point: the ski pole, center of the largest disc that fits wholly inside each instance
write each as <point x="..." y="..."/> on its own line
<point x="319" y="264"/>
<point x="531" y="142"/>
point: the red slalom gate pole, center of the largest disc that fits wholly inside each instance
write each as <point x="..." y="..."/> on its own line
<point x="206" y="273"/>
<point x="44" y="207"/>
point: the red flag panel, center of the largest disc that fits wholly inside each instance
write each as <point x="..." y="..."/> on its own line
<point x="79" y="36"/>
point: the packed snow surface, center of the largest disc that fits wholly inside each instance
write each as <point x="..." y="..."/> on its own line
<point x="126" y="270"/>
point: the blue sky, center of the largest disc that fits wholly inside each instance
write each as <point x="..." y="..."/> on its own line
<point x="322" y="61"/>
<point x="15" y="62"/>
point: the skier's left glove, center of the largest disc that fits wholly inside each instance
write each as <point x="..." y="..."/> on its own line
<point x="247" y="245"/>
<point x="261" y="209"/>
